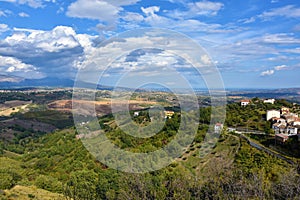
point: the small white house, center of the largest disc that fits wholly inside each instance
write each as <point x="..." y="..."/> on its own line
<point x="285" y="110"/>
<point x="136" y="114"/>
<point x="279" y="120"/>
<point x="271" y="101"/>
<point x="279" y="128"/>
<point x="272" y="113"/>
<point x="169" y="114"/>
<point x="218" y="127"/>
<point x="231" y="129"/>
<point x="296" y="122"/>
<point x="290" y="118"/>
<point x="291" y="130"/>
<point x="281" y="138"/>
<point x="282" y="121"/>
<point x="291" y="115"/>
<point x="245" y="102"/>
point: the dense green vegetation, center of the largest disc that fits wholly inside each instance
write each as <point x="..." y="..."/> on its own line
<point x="59" y="163"/>
<point x="37" y="97"/>
<point x="56" y="118"/>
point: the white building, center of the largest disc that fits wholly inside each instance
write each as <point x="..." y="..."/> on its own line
<point x="272" y="101"/>
<point x="281" y="121"/>
<point x="285" y="110"/>
<point x="135" y="114"/>
<point x="281" y="138"/>
<point x="291" y="117"/>
<point x="231" y="129"/>
<point x="245" y="102"/>
<point x="168" y="114"/>
<point x="218" y="127"/>
<point x="272" y="113"/>
<point x="279" y="128"/>
<point x="296" y="122"/>
<point x="291" y="130"/>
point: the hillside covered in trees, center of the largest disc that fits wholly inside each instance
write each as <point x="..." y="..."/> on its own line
<point x="56" y="165"/>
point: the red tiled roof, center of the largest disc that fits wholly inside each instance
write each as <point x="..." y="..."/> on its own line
<point x="282" y="136"/>
<point x="275" y="118"/>
<point x="245" y="100"/>
<point x="282" y="126"/>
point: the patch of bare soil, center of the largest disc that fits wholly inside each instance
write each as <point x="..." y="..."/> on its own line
<point x="101" y="107"/>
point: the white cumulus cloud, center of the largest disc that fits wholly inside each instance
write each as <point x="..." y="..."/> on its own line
<point x="206" y="7"/>
<point x="272" y="71"/>
<point x="130" y="16"/>
<point x="53" y="52"/>
<point x="22" y="14"/>
<point x="106" y="11"/>
<point x="100" y="10"/>
<point x="267" y="73"/>
<point x="150" y="10"/>
<point x="13" y="66"/>
<point x="3" y="28"/>
<point x="31" y="3"/>
<point x="280" y="67"/>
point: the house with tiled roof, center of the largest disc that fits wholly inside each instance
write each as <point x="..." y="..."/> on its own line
<point x="168" y="114"/>
<point x="296" y="122"/>
<point x="218" y="127"/>
<point x="279" y="128"/>
<point x="291" y="130"/>
<point x="281" y="138"/>
<point x="271" y="101"/>
<point x="285" y="110"/>
<point x="245" y="102"/>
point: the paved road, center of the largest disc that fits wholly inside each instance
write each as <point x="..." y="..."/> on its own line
<point x="245" y="130"/>
<point x="263" y="148"/>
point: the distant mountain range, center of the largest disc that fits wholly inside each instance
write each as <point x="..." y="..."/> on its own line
<point x="267" y="93"/>
<point x="13" y="82"/>
<point x="8" y="82"/>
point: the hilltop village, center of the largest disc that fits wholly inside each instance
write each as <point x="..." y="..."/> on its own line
<point x="284" y="123"/>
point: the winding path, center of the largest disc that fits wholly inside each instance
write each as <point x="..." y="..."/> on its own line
<point x="263" y="148"/>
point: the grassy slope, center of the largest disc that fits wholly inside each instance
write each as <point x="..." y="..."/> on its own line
<point x="29" y="193"/>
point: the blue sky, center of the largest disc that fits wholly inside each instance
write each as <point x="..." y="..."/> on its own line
<point x="254" y="43"/>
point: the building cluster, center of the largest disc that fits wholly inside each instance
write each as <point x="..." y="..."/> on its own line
<point x="246" y="102"/>
<point x="284" y="123"/>
<point x="167" y="114"/>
